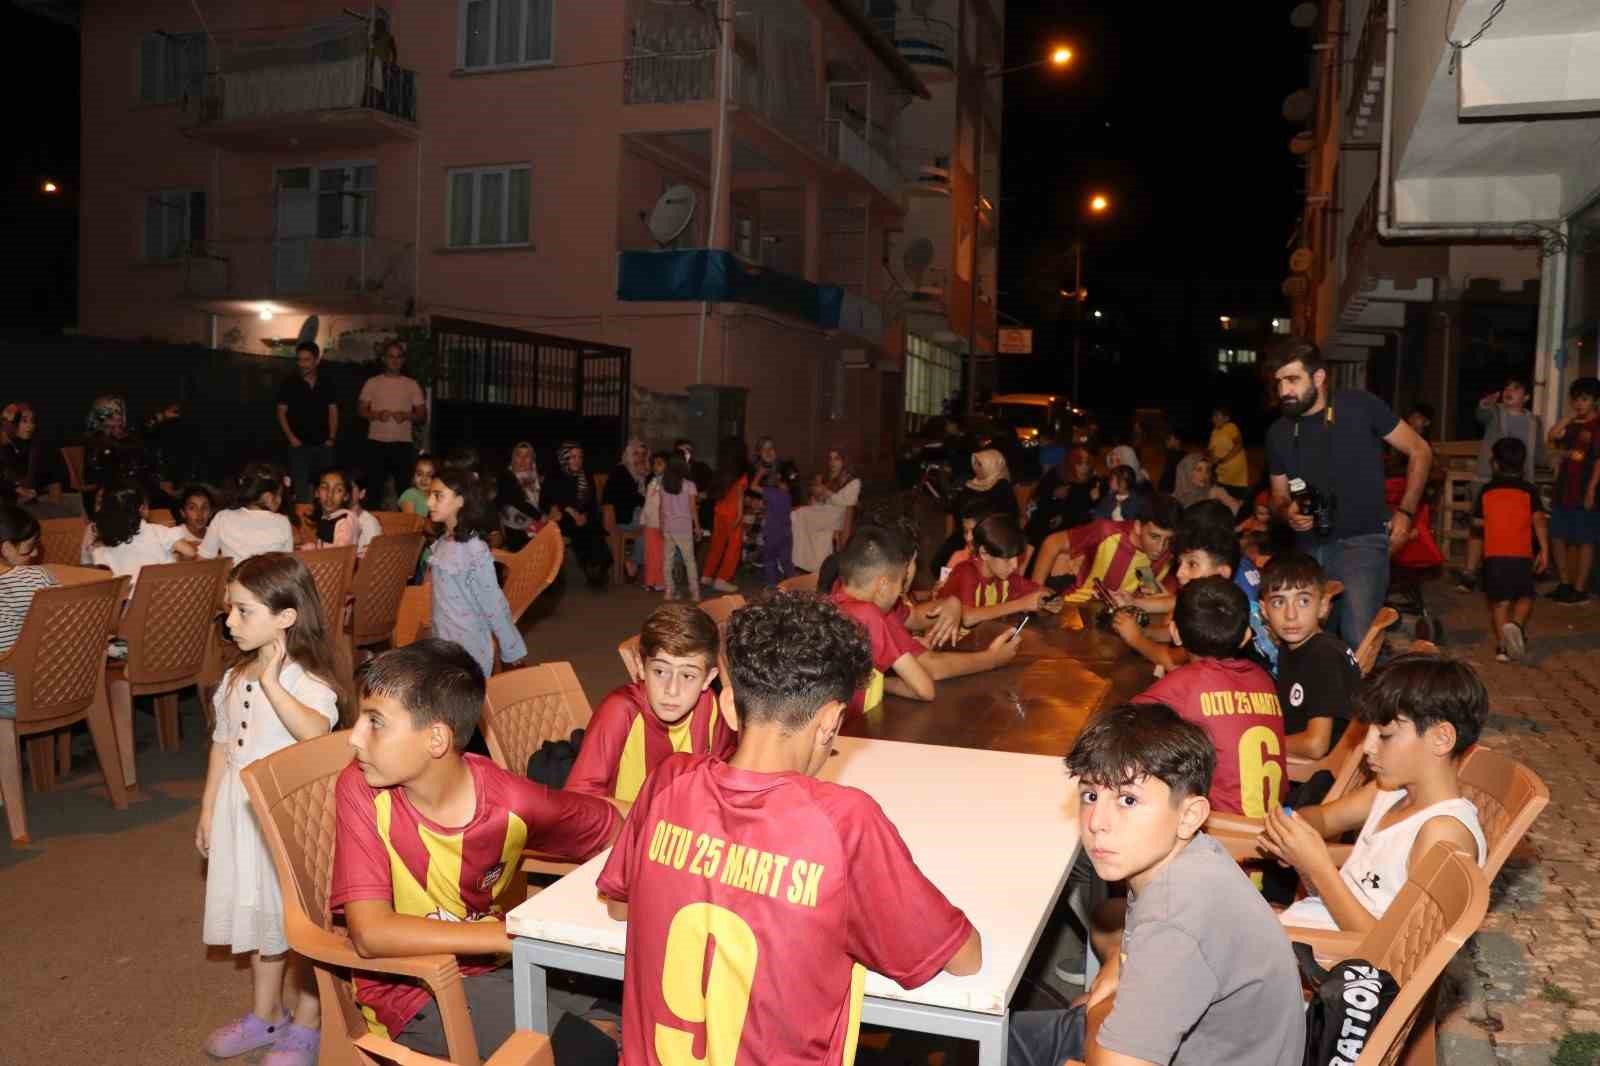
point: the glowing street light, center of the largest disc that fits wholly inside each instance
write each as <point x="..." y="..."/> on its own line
<point x="1099" y="314"/>
<point x="1099" y="204"/>
<point x="51" y="187"/>
<point x="1061" y="56"/>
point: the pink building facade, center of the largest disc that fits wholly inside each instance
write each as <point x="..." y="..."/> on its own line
<point x="498" y="160"/>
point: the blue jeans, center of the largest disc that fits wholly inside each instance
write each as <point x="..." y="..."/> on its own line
<point x="1046" y="1037"/>
<point x="1361" y="563"/>
<point x="305" y="463"/>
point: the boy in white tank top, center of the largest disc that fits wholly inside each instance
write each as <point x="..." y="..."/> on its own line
<point x="1424" y="712"/>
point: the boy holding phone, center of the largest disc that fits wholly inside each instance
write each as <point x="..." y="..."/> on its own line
<point x="990" y="584"/>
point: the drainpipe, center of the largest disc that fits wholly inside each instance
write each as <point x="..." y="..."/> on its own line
<point x="1444" y="375"/>
<point x="726" y="14"/>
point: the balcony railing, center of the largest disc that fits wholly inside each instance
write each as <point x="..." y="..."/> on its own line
<point x="303" y="88"/>
<point x="928" y="44"/>
<point x="344" y="271"/>
<point x="847" y="146"/>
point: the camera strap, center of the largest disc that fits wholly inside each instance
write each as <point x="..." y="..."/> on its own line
<point x="1327" y="444"/>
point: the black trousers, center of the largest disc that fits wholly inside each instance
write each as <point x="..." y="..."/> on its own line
<point x="386" y="459"/>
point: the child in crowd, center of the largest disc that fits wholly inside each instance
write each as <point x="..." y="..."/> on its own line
<point x="973" y="511"/>
<point x="1425" y="712"/>
<point x="332" y="523"/>
<point x="799" y="953"/>
<point x="367" y="524"/>
<point x="253" y="526"/>
<point x="196" y="505"/>
<point x="1256" y="545"/>
<point x="874" y="571"/>
<point x="415" y="498"/>
<point x="1504" y="415"/>
<point x="777" y="531"/>
<point x="727" y="521"/>
<point x="1115" y="553"/>
<point x="1123" y="501"/>
<point x="424" y="832"/>
<point x="283" y="690"/>
<point x="1259" y="520"/>
<point x="680" y="527"/>
<point x="650" y="520"/>
<point x="1507" y="518"/>
<point x="991" y="585"/>
<point x="1228" y="696"/>
<point x="1318" y="679"/>
<point x="1203" y="972"/>
<point x="19" y="550"/>
<point x="468" y="605"/>
<point x="671" y="709"/>
<point x="127" y="542"/>
<point x="1574" y="520"/>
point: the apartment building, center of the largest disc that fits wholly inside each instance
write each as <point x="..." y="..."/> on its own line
<point x="1452" y="223"/>
<point x="505" y="162"/>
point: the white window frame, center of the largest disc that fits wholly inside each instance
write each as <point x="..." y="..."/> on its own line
<point x="494" y="27"/>
<point x="172" y="47"/>
<point x="478" y="173"/>
<point x="186" y="223"/>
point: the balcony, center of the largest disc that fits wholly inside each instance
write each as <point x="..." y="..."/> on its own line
<point x="845" y="145"/>
<point x="709" y="274"/>
<point x="344" y="273"/>
<point x="280" y="99"/>
<point x="927" y="44"/>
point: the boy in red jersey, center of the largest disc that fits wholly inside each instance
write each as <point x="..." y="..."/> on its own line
<point x="670" y="709"/>
<point x="991" y="583"/>
<point x="783" y="876"/>
<point x="428" y="837"/>
<point x="1228" y="696"/>
<point x="873" y="573"/>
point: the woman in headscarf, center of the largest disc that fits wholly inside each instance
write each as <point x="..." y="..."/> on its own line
<point x="111" y="451"/>
<point x="1064" y="496"/>
<point x="1196" y="481"/>
<point x="24" y="466"/>
<point x="517" y="498"/>
<point x="625" y="494"/>
<point x="570" y="499"/>
<point x="990" y="485"/>
<point x="822" y="526"/>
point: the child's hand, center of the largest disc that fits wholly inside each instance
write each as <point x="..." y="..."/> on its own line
<point x="944" y="622"/>
<point x="1541" y="562"/>
<point x="1293" y="842"/>
<point x="1052" y="604"/>
<point x="273" y="654"/>
<point x="202" y="834"/>
<point x="1126" y="626"/>
<point x="1003" y="648"/>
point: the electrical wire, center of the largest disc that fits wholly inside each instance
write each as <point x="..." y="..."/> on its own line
<point x="1457" y="47"/>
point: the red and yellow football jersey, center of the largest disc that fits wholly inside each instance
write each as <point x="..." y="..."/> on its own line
<point x="887" y="637"/>
<point x="386" y="850"/>
<point x="625" y="740"/>
<point x="1236" y="703"/>
<point x="1109" y="554"/>
<point x="754" y="903"/>
<point x="967" y="584"/>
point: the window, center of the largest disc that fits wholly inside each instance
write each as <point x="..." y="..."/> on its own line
<point x="346" y="201"/>
<point x="172" y="220"/>
<point x="933" y="375"/>
<point x="172" y="67"/>
<point x="506" y="33"/>
<point x="1227" y="357"/>
<point x="489" y="206"/>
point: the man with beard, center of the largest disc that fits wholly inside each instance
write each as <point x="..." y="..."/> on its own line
<point x="1325" y="457"/>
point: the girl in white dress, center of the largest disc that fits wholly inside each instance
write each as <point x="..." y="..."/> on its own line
<point x="253" y="526"/>
<point x="819" y="526"/>
<point x="282" y="690"/>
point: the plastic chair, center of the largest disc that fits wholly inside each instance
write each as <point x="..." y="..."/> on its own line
<point x="292" y="793"/>
<point x="61" y="540"/>
<point x="379" y="585"/>
<point x="521" y="710"/>
<point x="628" y="651"/>
<point x="1509" y="798"/>
<point x="799" y="583"/>
<point x="721" y="608"/>
<point x="58" y="663"/>
<point x="72" y="457"/>
<point x="619" y="544"/>
<point x="530" y="571"/>
<point x="414" y="617"/>
<point x="333" y="570"/>
<point x="392" y="522"/>
<point x="1372" y="643"/>
<point x="168" y="628"/>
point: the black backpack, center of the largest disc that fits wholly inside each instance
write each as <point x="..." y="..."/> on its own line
<point x="1347" y="1002"/>
<point x="552" y="763"/>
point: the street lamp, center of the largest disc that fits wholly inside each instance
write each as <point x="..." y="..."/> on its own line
<point x="1099" y="204"/>
<point x="1060" y="56"/>
<point x="50" y="187"/>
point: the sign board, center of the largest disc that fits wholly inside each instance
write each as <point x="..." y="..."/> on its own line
<point x="1015" y="341"/>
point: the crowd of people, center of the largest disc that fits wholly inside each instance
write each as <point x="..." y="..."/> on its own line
<point x="1264" y="588"/>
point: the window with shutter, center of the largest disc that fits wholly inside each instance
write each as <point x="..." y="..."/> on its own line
<point x="172" y="67"/>
<point x="505" y="33"/>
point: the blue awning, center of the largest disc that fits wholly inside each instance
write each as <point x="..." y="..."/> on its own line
<point x="709" y="274"/>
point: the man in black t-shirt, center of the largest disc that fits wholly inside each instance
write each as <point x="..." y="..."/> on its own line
<point x="1318" y="679"/>
<point x="308" y="414"/>
<point x="1329" y="444"/>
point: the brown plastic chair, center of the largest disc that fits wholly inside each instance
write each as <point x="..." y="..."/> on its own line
<point x="392" y="522"/>
<point x="72" y="457"/>
<point x="58" y="663"/>
<point x="292" y="793"/>
<point x="522" y="709"/>
<point x="333" y="570"/>
<point x="168" y="628"/>
<point x="799" y="583"/>
<point x="160" y="517"/>
<point x="61" y="540"/>
<point x="1372" y="643"/>
<point x="530" y="571"/>
<point x="1509" y="798"/>
<point x="415" y="615"/>
<point x="722" y="608"/>
<point x="628" y="651"/>
<point x="379" y="584"/>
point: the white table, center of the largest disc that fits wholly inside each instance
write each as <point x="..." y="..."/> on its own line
<point x="995" y="831"/>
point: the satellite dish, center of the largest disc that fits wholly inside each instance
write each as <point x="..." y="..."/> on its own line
<point x="671" y="214"/>
<point x="308" y="331"/>
<point x="916" y="259"/>
<point x="1300" y="260"/>
<point x="1298" y="105"/>
<point x="1303" y="17"/>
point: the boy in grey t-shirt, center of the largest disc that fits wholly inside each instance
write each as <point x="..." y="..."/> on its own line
<point x="1204" y="974"/>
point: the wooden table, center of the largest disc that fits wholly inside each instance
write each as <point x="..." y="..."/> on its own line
<point x="1036" y="704"/>
<point x="996" y="831"/>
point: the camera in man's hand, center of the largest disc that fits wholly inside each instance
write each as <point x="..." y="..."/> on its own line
<point x="1314" y="504"/>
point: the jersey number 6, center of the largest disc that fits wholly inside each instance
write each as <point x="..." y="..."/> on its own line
<point x="1260" y="775"/>
<point x="717" y="1000"/>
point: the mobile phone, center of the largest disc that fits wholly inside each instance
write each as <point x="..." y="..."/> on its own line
<point x="1103" y="593"/>
<point x="1017" y="632"/>
<point x="1147" y="580"/>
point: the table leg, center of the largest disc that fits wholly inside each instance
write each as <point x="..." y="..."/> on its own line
<point x="990" y="1032"/>
<point x="531" y="988"/>
<point x="992" y="1046"/>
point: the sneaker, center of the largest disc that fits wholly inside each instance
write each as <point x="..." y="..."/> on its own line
<point x="1512" y="641"/>
<point x="1466" y="582"/>
<point x="244" y="1035"/>
<point x="1570" y="596"/>
<point x="725" y="586"/>
<point x="1500" y="655"/>
<point x="296" y="1046"/>
<point x="1561" y="592"/>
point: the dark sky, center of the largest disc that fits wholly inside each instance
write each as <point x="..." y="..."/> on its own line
<point x="1174" y="111"/>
